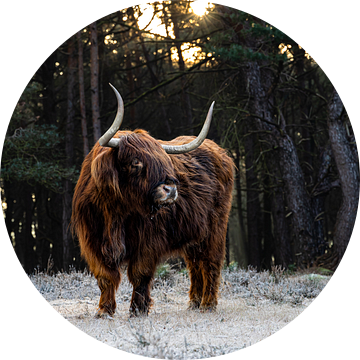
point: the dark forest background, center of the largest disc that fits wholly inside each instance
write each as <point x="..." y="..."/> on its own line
<point x="297" y="178"/>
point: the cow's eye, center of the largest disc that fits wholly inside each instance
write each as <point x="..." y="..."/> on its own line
<point x="136" y="165"/>
<point x="135" y="162"/>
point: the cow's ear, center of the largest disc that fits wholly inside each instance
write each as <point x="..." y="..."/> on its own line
<point x="104" y="171"/>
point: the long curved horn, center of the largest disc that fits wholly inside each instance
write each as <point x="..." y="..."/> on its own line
<point x="107" y="138"/>
<point x="181" y="149"/>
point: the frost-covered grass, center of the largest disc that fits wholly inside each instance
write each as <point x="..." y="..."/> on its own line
<point x="252" y="306"/>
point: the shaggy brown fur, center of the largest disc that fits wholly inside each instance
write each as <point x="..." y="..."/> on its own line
<point x="117" y="221"/>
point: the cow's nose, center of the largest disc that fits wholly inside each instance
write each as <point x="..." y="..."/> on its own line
<point x="170" y="192"/>
<point x="168" y="189"/>
<point x="165" y="194"/>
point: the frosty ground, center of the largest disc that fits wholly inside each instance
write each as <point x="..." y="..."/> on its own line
<point x="252" y="306"/>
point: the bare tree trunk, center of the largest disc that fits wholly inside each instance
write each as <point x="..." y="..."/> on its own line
<point x="185" y="96"/>
<point x="347" y="166"/>
<point x="239" y="198"/>
<point x="298" y="203"/>
<point x="252" y="205"/>
<point x="285" y="156"/>
<point x="82" y="95"/>
<point x="46" y="72"/>
<point x="282" y="249"/>
<point x="281" y="151"/>
<point x="322" y="186"/>
<point x="29" y="239"/>
<point x="155" y="81"/>
<point x="69" y="150"/>
<point x="94" y="67"/>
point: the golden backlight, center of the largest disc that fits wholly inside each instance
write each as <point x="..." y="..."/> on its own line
<point x="200" y="7"/>
<point x="153" y="24"/>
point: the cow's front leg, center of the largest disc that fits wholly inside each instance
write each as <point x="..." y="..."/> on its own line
<point x="108" y="281"/>
<point x="141" y="300"/>
<point x="141" y="280"/>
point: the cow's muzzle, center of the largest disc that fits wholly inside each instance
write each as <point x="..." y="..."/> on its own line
<point x="165" y="194"/>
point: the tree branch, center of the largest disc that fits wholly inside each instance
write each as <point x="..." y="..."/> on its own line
<point x="166" y="82"/>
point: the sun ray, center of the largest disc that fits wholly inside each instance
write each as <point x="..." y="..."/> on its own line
<point x="200" y="7"/>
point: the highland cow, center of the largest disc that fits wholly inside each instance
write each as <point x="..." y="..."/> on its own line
<point x="138" y="200"/>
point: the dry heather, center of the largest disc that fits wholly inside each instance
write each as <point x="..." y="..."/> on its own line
<point x="252" y="306"/>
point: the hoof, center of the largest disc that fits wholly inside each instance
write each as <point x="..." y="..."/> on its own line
<point x="209" y="310"/>
<point x="194" y="305"/>
<point x="103" y="314"/>
<point x="137" y="313"/>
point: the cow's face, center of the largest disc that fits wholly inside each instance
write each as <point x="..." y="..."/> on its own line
<point x="146" y="173"/>
<point x="135" y="167"/>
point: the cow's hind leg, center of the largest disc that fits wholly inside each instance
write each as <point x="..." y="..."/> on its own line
<point x="204" y="262"/>
<point x="211" y="275"/>
<point x="211" y="264"/>
<point x="196" y="282"/>
<point x="204" y="273"/>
